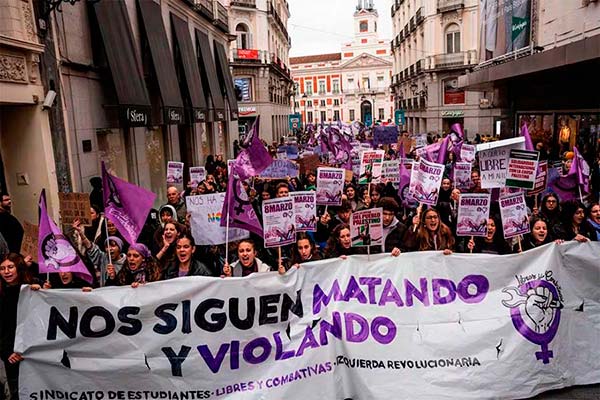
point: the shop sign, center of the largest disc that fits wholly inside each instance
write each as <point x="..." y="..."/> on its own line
<point x="245" y="111"/>
<point x="452" y="114"/>
<point x="247" y="54"/>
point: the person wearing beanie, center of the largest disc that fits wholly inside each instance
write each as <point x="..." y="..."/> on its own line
<point x="139" y="268"/>
<point x="112" y="254"/>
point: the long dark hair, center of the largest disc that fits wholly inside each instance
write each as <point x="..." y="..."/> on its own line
<point x="296" y="258"/>
<point x="24" y="276"/>
<point x="444" y="234"/>
<point x="333" y="247"/>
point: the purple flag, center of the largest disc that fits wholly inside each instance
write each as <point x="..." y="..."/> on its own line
<point x="457" y="128"/>
<point x="525" y="134"/>
<point x="126" y="205"/>
<point x="581" y="170"/>
<point x="254" y="159"/>
<point x="565" y="186"/>
<point x="441" y="158"/>
<point x="403" y="190"/>
<point x="238" y="208"/>
<point x="55" y="252"/>
<point x="342" y="148"/>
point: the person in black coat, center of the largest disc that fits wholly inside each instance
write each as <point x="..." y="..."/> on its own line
<point x="393" y="229"/>
<point x="185" y="265"/>
<point x="10" y="227"/>
<point x="573" y="225"/>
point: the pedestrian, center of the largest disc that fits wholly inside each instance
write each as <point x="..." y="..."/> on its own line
<point x="10" y="227"/>
<point x="174" y="199"/>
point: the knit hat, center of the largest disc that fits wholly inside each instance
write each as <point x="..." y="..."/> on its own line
<point x="115" y="239"/>
<point x="141" y="248"/>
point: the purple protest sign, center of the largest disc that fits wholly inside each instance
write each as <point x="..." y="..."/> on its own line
<point x="462" y="175"/>
<point x="473" y="214"/>
<point x="279" y="222"/>
<point x="426" y="179"/>
<point x="513" y="211"/>
<point x="330" y="185"/>
<point x="305" y="210"/>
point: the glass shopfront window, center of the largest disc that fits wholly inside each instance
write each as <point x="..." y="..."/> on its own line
<point x="155" y="155"/>
<point x="112" y="150"/>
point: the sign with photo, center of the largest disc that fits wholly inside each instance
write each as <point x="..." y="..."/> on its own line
<point x="366" y="227"/>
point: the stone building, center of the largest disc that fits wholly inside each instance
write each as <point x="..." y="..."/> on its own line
<point x="351" y="85"/>
<point x="436" y="41"/>
<point x="260" y="64"/>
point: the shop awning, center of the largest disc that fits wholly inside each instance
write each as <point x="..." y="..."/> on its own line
<point x="225" y="79"/>
<point x="190" y="69"/>
<point x="208" y="72"/>
<point x="162" y="59"/>
<point x="125" y="67"/>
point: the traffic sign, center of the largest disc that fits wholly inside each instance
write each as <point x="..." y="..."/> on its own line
<point x="295" y="121"/>
<point x="399" y="117"/>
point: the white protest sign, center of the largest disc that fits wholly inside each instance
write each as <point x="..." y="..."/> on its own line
<point x="418" y="326"/>
<point x="541" y="179"/>
<point x="513" y="211"/>
<point x="205" y="220"/>
<point x="473" y="214"/>
<point x="420" y="141"/>
<point x="305" y="210"/>
<point x="279" y="223"/>
<point x="174" y="172"/>
<point x="391" y="172"/>
<point x="197" y="175"/>
<point x="366" y="227"/>
<point x="462" y="175"/>
<point x="371" y="164"/>
<point x="330" y="185"/>
<point x="522" y="168"/>
<point x="425" y="181"/>
<point x="493" y="161"/>
<point x="467" y="153"/>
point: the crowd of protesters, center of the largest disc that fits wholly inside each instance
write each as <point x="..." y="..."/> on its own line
<point x="166" y="248"/>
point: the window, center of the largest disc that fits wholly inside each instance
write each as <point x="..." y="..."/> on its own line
<point x="453" y="39"/>
<point x="309" y="116"/>
<point x="336" y="115"/>
<point x="322" y="103"/>
<point x="243" y="37"/>
<point x="351" y="83"/>
<point x="296" y="105"/>
<point x="381" y="114"/>
<point x="364" y="26"/>
<point x="243" y="89"/>
<point x="351" y="115"/>
<point x="380" y="81"/>
<point x="323" y="116"/>
<point x="322" y="88"/>
<point x="336" y="86"/>
<point x="366" y="83"/>
<point x="309" y="103"/>
<point x="309" y="88"/>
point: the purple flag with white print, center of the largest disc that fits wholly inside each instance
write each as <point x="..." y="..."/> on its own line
<point x="441" y="158"/>
<point x="581" y="169"/>
<point x="238" y="208"/>
<point x="55" y="251"/>
<point x="255" y="158"/>
<point x="457" y="128"/>
<point x="527" y="136"/>
<point x="126" y="205"/>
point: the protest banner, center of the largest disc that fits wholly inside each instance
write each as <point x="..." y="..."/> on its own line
<point x="197" y="175"/>
<point x="385" y="134"/>
<point x="467" y="153"/>
<point x="391" y="172"/>
<point x="473" y="214"/>
<point x="366" y="227"/>
<point x="205" y="220"/>
<point x="281" y="169"/>
<point x="371" y="163"/>
<point x="462" y="175"/>
<point x="541" y="179"/>
<point x="305" y="210"/>
<point x="513" y="211"/>
<point x="411" y="326"/>
<point x="330" y="185"/>
<point x="425" y="182"/>
<point x="308" y="163"/>
<point x="522" y="168"/>
<point x="174" y="172"/>
<point x="493" y="161"/>
<point x="75" y="206"/>
<point x="29" y="244"/>
<point x="420" y="141"/>
<point x="279" y="224"/>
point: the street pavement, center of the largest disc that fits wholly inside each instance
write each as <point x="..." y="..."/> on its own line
<point x="590" y="392"/>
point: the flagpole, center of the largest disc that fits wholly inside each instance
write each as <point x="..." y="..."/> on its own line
<point x="103" y="267"/>
<point x="580" y="195"/>
<point x="227" y="238"/>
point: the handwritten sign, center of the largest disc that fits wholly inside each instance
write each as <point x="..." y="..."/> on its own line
<point x="281" y="169"/>
<point x="75" y="206"/>
<point x="493" y="164"/>
<point x="391" y="172"/>
<point x="29" y="245"/>
<point x="385" y="134"/>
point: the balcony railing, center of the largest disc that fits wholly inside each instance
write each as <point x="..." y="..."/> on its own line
<point x="406" y="31"/>
<point x="205" y="7"/>
<point x="244" y="3"/>
<point x="249" y="56"/>
<point x="449" y="5"/>
<point x="412" y="24"/>
<point x="220" y="15"/>
<point x="419" y="16"/>
<point x="365" y="91"/>
<point x="272" y="11"/>
<point x="451" y="60"/>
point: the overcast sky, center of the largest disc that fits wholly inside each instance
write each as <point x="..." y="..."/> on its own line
<point x="322" y="26"/>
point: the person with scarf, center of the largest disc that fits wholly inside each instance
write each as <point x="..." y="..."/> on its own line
<point x="594" y="219"/>
<point x="248" y="263"/>
<point x="139" y="268"/>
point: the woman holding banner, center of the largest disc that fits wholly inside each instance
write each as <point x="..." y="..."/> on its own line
<point x="340" y="243"/>
<point x="428" y="232"/>
<point x="305" y="250"/>
<point x="248" y="263"/>
<point x="139" y="268"/>
<point x="492" y="243"/>
<point x="573" y="225"/>
<point x="538" y="236"/>
<point x="185" y="264"/>
<point x="13" y="274"/>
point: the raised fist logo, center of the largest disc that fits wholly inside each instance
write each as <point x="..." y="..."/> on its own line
<point x="540" y="306"/>
<point x="58" y="252"/>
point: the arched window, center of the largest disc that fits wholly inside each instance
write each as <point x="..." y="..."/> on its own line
<point x="244" y="40"/>
<point x="453" y="38"/>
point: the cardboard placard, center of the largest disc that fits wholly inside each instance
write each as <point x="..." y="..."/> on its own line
<point x="29" y="245"/>
<point x="75" y="206"/>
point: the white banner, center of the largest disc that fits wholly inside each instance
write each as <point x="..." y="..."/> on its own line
<point x="422" y="325"/>
<point x="205" y="220"/>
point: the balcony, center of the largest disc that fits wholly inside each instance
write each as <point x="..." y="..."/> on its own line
<point x="406" y="31"/>
<point x="418" y="67"/>
<point x="272" y="11"/>
<point x="278" y="64"/>
<point x="249" y="56"/>
<point x="419" y="16"/>
<point x="451" y="60"/>
<point x="449" y="5"/>
<point x="365" y="91"/>
<point x="413" y="23"/>
<point x="411" y="70"/>
<point x="221" y="19"/>
<point x="205" y="8"/>
<point x="244" y="3"/>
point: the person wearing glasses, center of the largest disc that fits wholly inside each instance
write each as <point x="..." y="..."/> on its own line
<point x="428" y="232"/>
<point x="550" y="210"/>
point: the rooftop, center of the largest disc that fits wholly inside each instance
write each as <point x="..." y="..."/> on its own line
<point x="316" y="58"/>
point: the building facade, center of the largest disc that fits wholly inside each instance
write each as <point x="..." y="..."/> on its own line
<point x="436" y="41"/>
<point x="138" y="83"/>
<point x="351" y="85"/>
<point x="546" y="71"/>
<point x="259" y="58"/>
